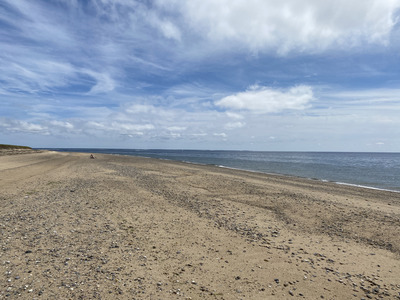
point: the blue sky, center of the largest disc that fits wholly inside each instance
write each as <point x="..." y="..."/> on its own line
<point x="202" y="74"/>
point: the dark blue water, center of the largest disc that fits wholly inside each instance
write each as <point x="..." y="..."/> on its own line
<point x="375" y="170"/>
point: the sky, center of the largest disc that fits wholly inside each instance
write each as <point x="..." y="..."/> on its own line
<point x="261" y="75"/>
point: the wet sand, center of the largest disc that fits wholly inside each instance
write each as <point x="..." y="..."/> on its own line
<point x="120" y="227"/>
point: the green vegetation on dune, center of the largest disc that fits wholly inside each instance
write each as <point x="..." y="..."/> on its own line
<point x="2" y="146"/>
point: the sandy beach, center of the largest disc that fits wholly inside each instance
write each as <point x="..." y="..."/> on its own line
<point x="121" y="227"/>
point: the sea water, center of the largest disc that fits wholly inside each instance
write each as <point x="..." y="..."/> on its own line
<point x="372" y="170"/>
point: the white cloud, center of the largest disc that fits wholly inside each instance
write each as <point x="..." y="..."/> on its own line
<point x="266" y="100"/>
<point x="351" y="121"/>
<point x="104" y="83"/>
<point x="14" y="126"/>
<point x="30" y="127"/>
<point x="140" y="109"/>
<point x="66" y="125"/>
<point x="292" y="25"/>
<point x="112" y="126"/>
<point x="174" y="135"/>
<point x="100" y="124"/>
<point x="166" y="27"/>
<point x="176" y="128"/>
<point x="129" y="127"/>
<point x="234" y="115"/>
<point x="234" y="125"/>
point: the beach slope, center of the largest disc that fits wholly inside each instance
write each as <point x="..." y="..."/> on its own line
<point x="120" y="227"/>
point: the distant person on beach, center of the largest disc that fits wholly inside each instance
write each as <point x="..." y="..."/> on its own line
<point x="91" y="156"/>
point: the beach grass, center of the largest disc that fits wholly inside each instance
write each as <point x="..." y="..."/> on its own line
<point x="7" y="147"/>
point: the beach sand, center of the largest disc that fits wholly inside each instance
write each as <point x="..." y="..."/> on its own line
<point x="121" y="227"/>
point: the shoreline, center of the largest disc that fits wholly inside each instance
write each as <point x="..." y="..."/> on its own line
<point x="373" y="187"/>
<point x="307" y="178"/>
<point x="130" y="227"/>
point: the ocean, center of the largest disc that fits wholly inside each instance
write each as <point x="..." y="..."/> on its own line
<point x="370" y="170"/>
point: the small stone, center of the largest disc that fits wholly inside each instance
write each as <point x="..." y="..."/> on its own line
<point x="276" y="280"/>
<point x="291" y="293"/>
